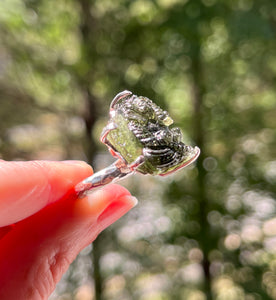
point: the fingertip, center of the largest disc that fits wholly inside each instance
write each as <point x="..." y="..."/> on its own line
<point x="77" y="163"/>
<point x="74" y="170"/>
<point x="109" y="202"/>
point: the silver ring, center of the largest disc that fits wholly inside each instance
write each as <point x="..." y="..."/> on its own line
<point x="138" y="134"/>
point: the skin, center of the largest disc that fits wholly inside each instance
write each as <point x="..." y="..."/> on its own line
<point x="44" y="225"/>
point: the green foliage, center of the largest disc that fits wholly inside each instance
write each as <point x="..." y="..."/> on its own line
<point x="207" y="232"/>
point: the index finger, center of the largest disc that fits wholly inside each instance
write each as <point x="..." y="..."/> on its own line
<point x="27" y="187"/>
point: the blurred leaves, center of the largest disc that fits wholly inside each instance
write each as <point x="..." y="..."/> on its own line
<point x="212" y="65"/>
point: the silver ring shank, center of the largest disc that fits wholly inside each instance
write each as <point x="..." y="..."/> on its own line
<point x="109" y="174"/>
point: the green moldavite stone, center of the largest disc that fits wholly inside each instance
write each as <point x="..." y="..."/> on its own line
<point x="138" y="127"/>
<point x="123" y="140"/>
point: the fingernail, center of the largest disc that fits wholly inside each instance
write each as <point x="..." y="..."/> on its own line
<point x="132" y="199"/>
<point x="101" y="193"/>
<point x="115" y="210"/>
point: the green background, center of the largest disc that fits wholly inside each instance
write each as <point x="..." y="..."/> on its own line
<point x="207" y="232"/>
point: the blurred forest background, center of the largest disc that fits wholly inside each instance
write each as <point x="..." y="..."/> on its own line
<point x="207" y="232"/>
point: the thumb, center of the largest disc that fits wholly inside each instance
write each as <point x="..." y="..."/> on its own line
<point x="39" y="249"/>
<point x="28" y="186"/>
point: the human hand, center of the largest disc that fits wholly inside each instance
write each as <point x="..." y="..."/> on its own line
<point x="44" y="225"/>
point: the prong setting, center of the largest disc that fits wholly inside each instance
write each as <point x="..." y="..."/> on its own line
<point x="119" y="96"/>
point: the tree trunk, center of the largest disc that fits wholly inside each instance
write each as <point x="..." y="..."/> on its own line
<point x="198" y="91"/>
<point x="89" y="55"/>
<point x="90" y="119"/>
